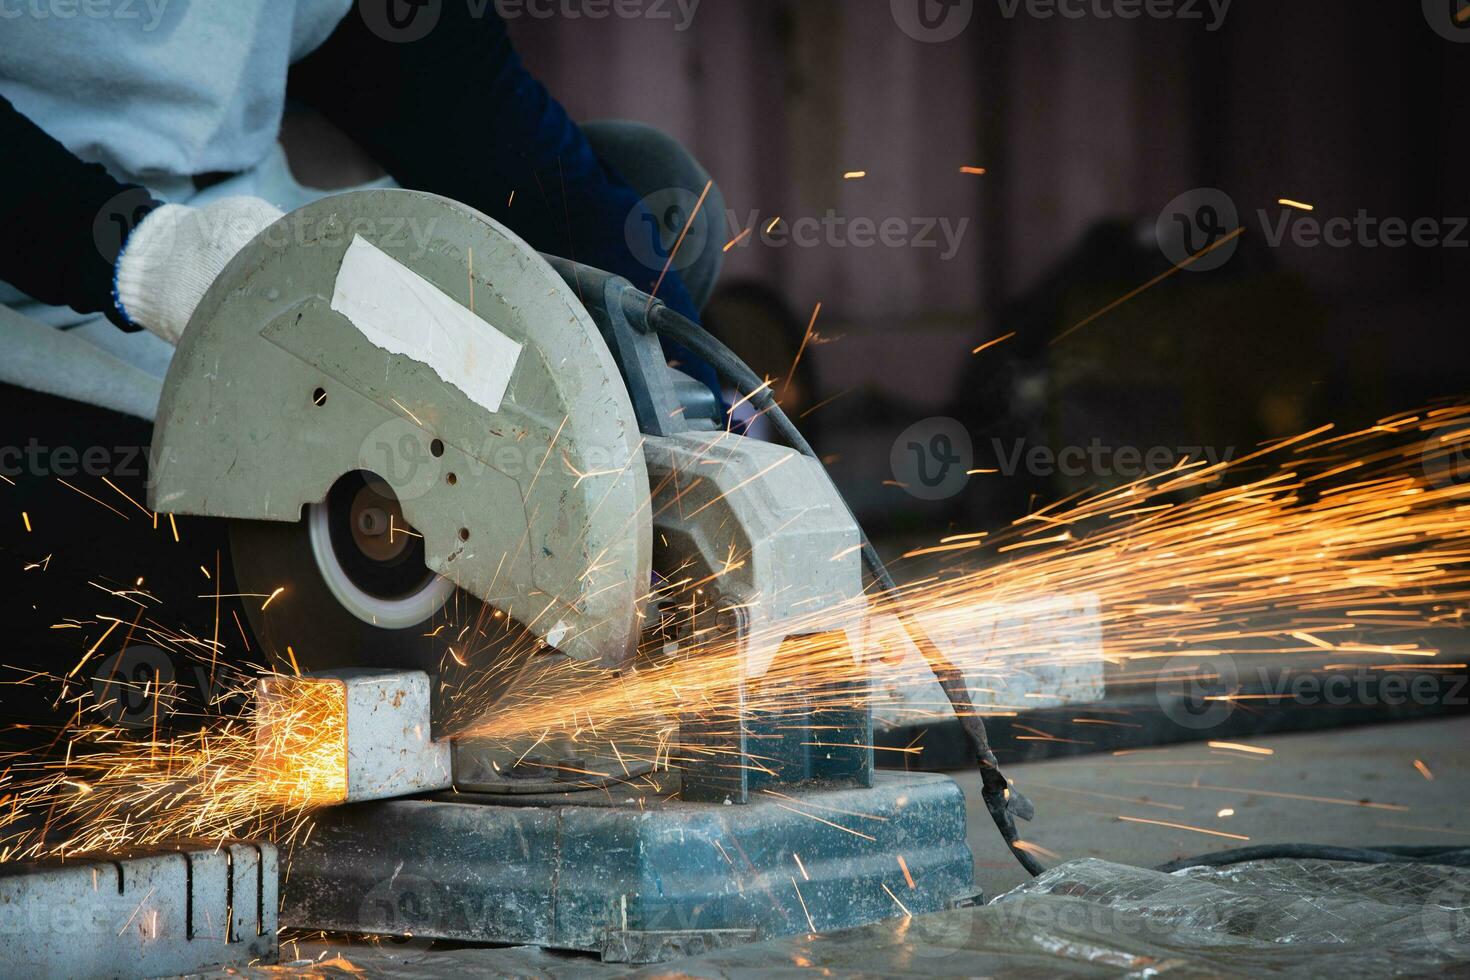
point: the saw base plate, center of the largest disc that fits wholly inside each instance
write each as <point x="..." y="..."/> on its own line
<point x="631" y="875"/>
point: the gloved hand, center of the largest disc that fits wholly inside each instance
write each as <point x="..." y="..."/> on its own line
<point x="176" y="253"/>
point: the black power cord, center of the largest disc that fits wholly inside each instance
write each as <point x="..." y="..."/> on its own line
<point x="1458" y="857"/>
<point x="1004" y="803"/>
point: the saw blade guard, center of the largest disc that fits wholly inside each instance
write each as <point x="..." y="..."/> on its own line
<point x="410" y="338"/>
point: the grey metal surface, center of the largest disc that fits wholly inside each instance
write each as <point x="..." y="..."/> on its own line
<point x="717" y="495"/>
<point x="147" y="915"/>
<point x="546" y="512"/>
<point x="630" y="875"/>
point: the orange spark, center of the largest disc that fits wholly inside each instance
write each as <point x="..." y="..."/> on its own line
<point x="906" y="876"/>
<point x="1149" y="285"/>
<point x="1184" y="826"/>
<point x="684" y="233"/>
<point x="810" y="924"/>
<point x="991" y="343"/>
<point x="904" y="908"/>
<point x="1031" y="848"/>
<point x="738" y="239"/>
<point x="1238" y="747"/>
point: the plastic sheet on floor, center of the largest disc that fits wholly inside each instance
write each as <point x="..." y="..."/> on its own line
<point x="1283" y="918"/>
<point x="1092" y="918"/>
<point x="1089" y="918"/>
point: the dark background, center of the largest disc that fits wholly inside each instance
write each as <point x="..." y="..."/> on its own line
<point x="1088" y="128"/>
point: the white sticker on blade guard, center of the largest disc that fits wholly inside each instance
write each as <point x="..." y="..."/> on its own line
<point x="401" y="312"/>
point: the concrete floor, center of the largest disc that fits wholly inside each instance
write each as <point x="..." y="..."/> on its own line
<point x="1366" y="786"/>
<point x="1353" y="786"/>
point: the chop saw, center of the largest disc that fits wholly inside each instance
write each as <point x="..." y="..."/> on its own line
<point x="415" y="437"/>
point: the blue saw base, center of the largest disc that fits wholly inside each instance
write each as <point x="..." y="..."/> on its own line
<point x="631" y="875"/>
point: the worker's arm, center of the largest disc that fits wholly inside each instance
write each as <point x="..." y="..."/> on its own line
<point x="456" y="113"/>
<point x="73" y="236"/>
<point x="58" y="243"/>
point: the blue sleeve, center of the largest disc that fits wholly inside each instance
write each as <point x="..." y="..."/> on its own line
<point x="455" y="112"/>
<point x="64" y="220"/>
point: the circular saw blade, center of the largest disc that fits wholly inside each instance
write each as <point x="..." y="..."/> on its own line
<point x="475" y="652"/>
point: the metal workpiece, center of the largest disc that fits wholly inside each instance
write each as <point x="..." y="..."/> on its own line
<point x="274" y="396"/>
<point x="387" y="745"/>
<point x="146" y="915"/>
<point x="629" y="874"/>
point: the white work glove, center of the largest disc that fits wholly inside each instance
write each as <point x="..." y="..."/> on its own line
<point x="176" y="253"/>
